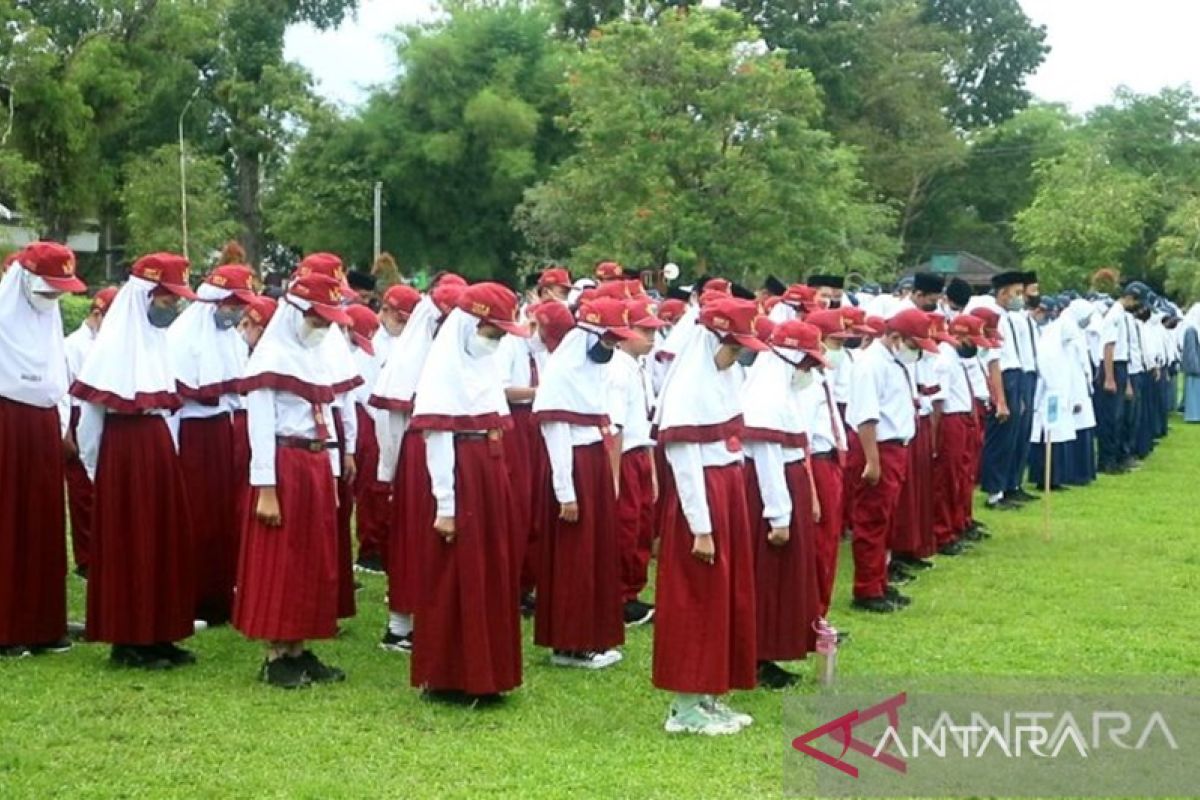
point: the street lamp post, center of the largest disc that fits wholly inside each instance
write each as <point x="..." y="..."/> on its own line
<point x="183" y="229"/>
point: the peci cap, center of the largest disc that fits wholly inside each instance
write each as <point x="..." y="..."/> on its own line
<point x="928" y="283"/>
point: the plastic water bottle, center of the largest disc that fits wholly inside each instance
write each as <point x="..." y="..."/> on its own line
<point x="827" y="647"/>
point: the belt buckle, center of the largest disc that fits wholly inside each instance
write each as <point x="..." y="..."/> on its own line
<point x="315" y="446"/>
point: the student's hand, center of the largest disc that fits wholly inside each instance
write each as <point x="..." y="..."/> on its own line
<point x="816" y="509"/>
<point x="70" y="449"/>
<point x="778" y="537"/>
<point x="1002" y="413"/>
<point x="445" y="528"/>
<point x="703" y="548"/>
<point x="267" y="509"/>
<point x="349" y="468"/>
<point x="872" y="472"/>
<point x="568" y="512"/>
<point x="1129" y="390"/>
<point x="1110" y="385"/>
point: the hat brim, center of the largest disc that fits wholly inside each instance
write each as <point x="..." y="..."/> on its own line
<point x="649" y="322"/>
<point x="245" y="295"/>
<point x="363" y="343"/>
<point x="510" y="327"/>
<point x="817" y="356"/>
<point x="947" y="339"/>
<point x="844" y="333"/>
<point x="331" y="313"/>
<point x="928" y="345"/>
<point x="179" y="290"/>
<point x="72" y="284"/>
<point x="981" y="341"/>
<point x="750" y="342"/>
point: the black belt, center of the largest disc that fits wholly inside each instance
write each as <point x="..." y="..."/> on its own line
<point x="828" y="455"/>
<point x="311" y="445"/>
<point x="893" y="442"/>
<point x="470" y="435"/>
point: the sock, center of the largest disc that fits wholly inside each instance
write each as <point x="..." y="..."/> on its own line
<point x="995" y="498"/>
<point x="399" y="624"/>
<point x="685" y="701"/>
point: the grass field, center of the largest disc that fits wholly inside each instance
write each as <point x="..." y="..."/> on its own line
<point x="1112" y="593"/>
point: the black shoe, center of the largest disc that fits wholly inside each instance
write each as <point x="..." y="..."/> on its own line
<point x="1059" y="487"/>
<point x="1021" y="496"/>
<point x="63" y="645"/>
<point x="14" y="651"/>
<point x="876" y="605"/>
<point x="81" y="571"/>
<point x="318" y="671"/>
<point x="1003" y="504"/>
<point x="842" y="636"/>
<point x="1113" y="470"/>
<point x="912" y="562"/>
<point x="138" y="657"/>
<point x="396" y="644"/>
<point x="285" y="672"/>
<point x="972" y="535"/>
<point x="897" y="599"/>
<point x="951" y="549"/>
<point x="528" y="605"/>
<point x="638" y="613"/>
<point x="773" y="676"/>
<point x="175" y="654"/>
<point x="77" y="631"/>
<point x="371" y="564"/>
<point x="900" y="576"/>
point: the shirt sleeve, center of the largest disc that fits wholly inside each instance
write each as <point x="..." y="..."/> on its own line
<point x="389" y="431"/>
<point x="562" y="466"/>
<point x="772" y="482"/>
<point x="349" y="423"/>
<point x="617" y="385"/>
<point x="439" y="456"/>
<point x="260" y="420"/>
<point x="88" y="434"/>
<point x="863" y="405"/>
<point x="687" y="465"/>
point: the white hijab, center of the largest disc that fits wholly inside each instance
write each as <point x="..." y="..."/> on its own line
<point x="33" y="366"/>
<point x="459" y="390"/>
<point x="771" y="408"/>
<point x="397" y="382"/>
<point x="129" y="368"/>
<point x="698" y="402"/>
<point x="573" y="388"/>
<point x="281" y="362"/>
<point x="208" y="362"/>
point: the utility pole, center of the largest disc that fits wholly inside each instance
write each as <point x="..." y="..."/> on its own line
<point x="378" y="215"/>
<point x="183" y="229"/>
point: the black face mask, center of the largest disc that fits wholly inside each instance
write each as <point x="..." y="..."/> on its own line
<point x="600" y="354"/>
<point x="835" y="303"/>
<point x="928" y="307"/>
<point x="746" y="357"/>
<point x="1032" y="301"/>
<point x="854" y="342"/>
<point x="967" y="350"/>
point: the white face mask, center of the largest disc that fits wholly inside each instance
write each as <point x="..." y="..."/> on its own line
<point x="34" y="289"/>
<point x="802" y="379"/>
<point x="310" y="335"/>
<point x="835" y="357"/>
<point x="908" y="355"/>
<point x="536" y="345"/>
<point x="481" y="346"/>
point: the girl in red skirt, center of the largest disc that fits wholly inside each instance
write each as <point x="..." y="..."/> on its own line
<point x="141" y="581"/>
<point x="209" y="358"/>
<point x="287" y="573"/>
<point x="579" y="611"/>
<point x="467" y="636"/>
<point x="704" y="637"/>
<point x="33" y="381"/>
<point x="402" y="457"/>
<point x="782" y="497"/>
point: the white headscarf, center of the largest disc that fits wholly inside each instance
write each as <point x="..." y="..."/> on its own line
<point x="1192" y="318"/>
<point x="459" y="390"/>
<point x="573" y="388"/>
<point x="397" y="382"/>
<point x="699" y="403"/>
<point x="673" y="344"/>
<point x="281" y="362"/>
<point x="129" y="369"/>
<point x="770" y="406"/>
<point x="208" y="362"/>
<point x="33" y="366"/>
<point x="340" y="362"/>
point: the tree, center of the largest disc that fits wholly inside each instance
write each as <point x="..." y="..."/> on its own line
<point x="1177" y="252"/>
<point x="152" y="204"/>
<point x="695" y="145"/>
<point x="1086" y="214"/>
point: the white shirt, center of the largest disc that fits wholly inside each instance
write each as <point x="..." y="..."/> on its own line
<point x="226" y="404"/>
<point x="382" y="341"/>
<point x="1009" y="331"/>
<point x="390" y="427"/>
<point x="956" y="389"/>
<point x="1115" y="331"/>
<point x="440" y="458"/>
<point x="269" y="414"/>
<point x="513" y="363"/>
<point x="843" y="375"/>
<point x="882" y="394"/>
<point x="1026" y="339"/>
<point x="688" y="460"/>
<point x="76" y="348"/>
<point x="561" y="440"/>
<point x="629" y="400"/>
<point x="978" y="371"/>
<point x="770" y="462"/>
<point x="822" y="416"/>
<point x="1137" y="350"/>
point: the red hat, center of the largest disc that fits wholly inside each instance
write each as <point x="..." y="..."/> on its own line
<point x="235" y="278"/>
<point x="364" y="323"/>
<point x="913" y="324"/>
<point x="261" y="310"/>
<point x="168" y="270"/>
<point x="832" y="323"/>
<point x="103" y="298"/>
<point x="401" y="298"/>
<point x="763" y="327"/>
<point x="710" y="296"/>
<point x="732" y="318"/>
<point x="609" y="271"/>
<point x="856" y="319"/>
<point x="609" y="314"/>
<point x="643" y="313"/>
<point x="326" y="264"/>
<point x="493" y="303"/>
<point x="54" y="263"/>
<point x="989" y="317"/>
<point x="797" y="335"/>
<point x="875" y="326"/>
<point x="621" y="290"/>
<point x="971" y="327"/>
<point x="555" y="276"/>
<point x="554" y="321"/>
<point x="799" y="296"/>
<point x="445" y="295"/>
<point x="718" y="285"/>
<point x="450" y="279"/>
<point x="937" y="329"/>
<point x="669" y="311"/>
<point x="325" y="294"/>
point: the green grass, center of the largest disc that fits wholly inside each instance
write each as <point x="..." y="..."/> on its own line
<point x="1112" y="593"/>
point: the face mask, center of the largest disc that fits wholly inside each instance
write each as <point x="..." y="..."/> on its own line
<point x="835" y="357"/>
<point x="967" y="350"/>
<point x="310" y="335"/>
<point x="480" y="346"/>
<point x="746" y="357"/>
<point x="162" y="316"/>
<point x="536" y="345"/>
<point x="1015" y="303"/>
<point x="984" y="352"/>
<point x="226" y="318"/>
<point x="835" y="303"/>
<point x="40" y="301"/>
<point x="1032" y="301"/>
<point x="802" y="379"/>
<point x="908" y="355"/>
<point x="928" y="307"/>
<point x="854" y="342"/>
<point x="599" y="354"/>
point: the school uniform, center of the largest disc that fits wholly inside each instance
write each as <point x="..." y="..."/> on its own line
<point x="1111" y="416"/>
<point x="630" y="400"/>
<point x="79" y="487"/>
<point x="957" y="438"/>
<point x="828" y="444"/>
<point x="520" y="368"/>
<point x="1000" y="437"/>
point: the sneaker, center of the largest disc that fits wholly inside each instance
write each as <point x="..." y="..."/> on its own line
<point x="175" y="654"/>
<point x="1003" y="504"/>
<point x="585" y="659"/>
<point x="638" y="613"/>
<point x="1020" y="495"/>
<point x="285" y="672"/>
<point x="318" y="671"/>
<point x="14" y="651"/>
<point x="919" y="564"/>
<point x="899" y="600"/>
<point x="773" y="676"/>
<point x="696" y="719"/>
<point x="876" y="605"/>
<point x="138" y="657"/>
<point x="717" y="708"/>
<point x="63" y="645"/>
<point x="199" y="625"/>
<point x="897" y="574"/>
<point x="394" y="643"/>
<point x="528" y="605"/>
<point x="77" y="631"/>
<point x="951" y="549"/>
<point x="372" y="565"/>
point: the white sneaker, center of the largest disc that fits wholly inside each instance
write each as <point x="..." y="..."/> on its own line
<point x="697" y="719"/>
<point x="586" y="660"/>
<point x="715" y="707"/>
<point x="199" y="625"/>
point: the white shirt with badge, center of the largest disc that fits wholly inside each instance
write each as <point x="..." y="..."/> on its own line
<point x="882" y="393"/>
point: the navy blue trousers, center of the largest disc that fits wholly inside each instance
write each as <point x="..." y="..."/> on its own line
<point x="1000" y="438"/>
<point x="1110" y="417"/>
<point x="1025" y="428"/>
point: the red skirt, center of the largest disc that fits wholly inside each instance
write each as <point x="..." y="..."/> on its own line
<point x="345" y="517"/>
<point x="141" y="585"/>
<point x="241" y="465"/>
<point x="787" y="598"/>
<point x="287" y="576"/>
<point x="214" y="495"/>
<point x="528" y="467"/>
<point x="79" y="501"/>
<point x="33" y="542"/>
<point x="704" y="623"/>
<point x="370" y="496"/>
<point x="413" y="512"/>
<point x="828" y="476"/>
<point x="579" y="589"/>
<point x="467" y="630"/>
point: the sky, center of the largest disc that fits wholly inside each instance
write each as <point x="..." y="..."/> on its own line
<point x="1096" y="46"/>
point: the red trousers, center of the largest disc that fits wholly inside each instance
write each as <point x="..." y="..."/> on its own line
<point x="871" y="516"/>
<point x="371" y="497"/>
<point x="635" y="520"/>
<point x="828" y="474"/>
<point x="952" y="476"/>
<point x="79" y="501"/>
<point x="912" y="526"/>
